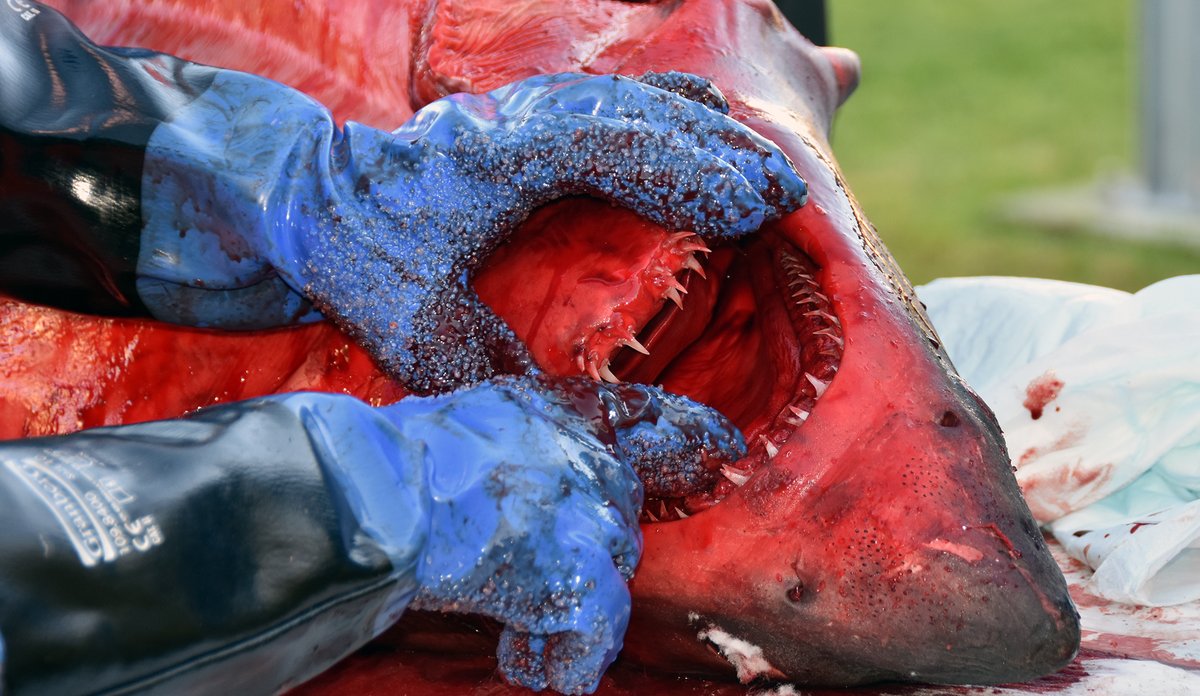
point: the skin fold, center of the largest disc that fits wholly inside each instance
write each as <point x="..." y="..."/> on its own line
<point x="884" y="538"/>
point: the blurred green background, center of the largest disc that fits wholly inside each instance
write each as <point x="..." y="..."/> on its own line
<point x="965" y="103"/>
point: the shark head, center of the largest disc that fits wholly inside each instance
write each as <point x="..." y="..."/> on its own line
<point x="874" y="531"/>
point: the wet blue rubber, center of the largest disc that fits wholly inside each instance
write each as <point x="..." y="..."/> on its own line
<point x="534" y="507"/>
<point x="259" y="211"/>
<point x="559" y="522"/>
<point x="532" y="503"/>
<point x="516" y="499"/>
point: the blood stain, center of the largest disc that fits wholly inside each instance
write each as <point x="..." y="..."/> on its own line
<point x="1041" y="392"/>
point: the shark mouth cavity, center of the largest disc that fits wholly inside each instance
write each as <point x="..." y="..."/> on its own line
<point x="741" y="326"/>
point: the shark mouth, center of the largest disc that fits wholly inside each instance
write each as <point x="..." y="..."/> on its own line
<point x="741" y="326"/>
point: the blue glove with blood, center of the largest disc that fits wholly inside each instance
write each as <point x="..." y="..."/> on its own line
<point x="532" y="501"/>
<point x="258" y="204"/>
<point x="248" y="547"/>
<point x="535" y="508"/>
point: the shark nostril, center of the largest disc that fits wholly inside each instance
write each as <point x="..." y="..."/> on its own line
<point x="949" y="419"/>
<point x="802" y="589"/>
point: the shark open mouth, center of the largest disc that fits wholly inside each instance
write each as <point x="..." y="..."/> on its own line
<point x="742" y="326"/>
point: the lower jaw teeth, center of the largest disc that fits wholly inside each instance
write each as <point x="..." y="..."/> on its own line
<point x="737" y="476"/>
<point x="819" y="333"/>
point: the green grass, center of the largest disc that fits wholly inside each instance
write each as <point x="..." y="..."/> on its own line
<point x="965" y="103"/>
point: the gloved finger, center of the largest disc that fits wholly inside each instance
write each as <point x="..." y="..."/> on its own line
<point x="677" y="105"/>
<point x="570" y="656"/>
<point x="688" y="86"/>
<point x="767" y="169"/>
<point x="577" y="568"/>
<point x="655" y="175"/>
<point x="522" y="658"/>
<point x="675" y="445"/>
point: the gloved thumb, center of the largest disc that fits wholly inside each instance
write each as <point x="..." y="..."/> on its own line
<point x="676" y="446"/>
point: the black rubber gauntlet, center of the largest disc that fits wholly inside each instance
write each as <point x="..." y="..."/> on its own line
<point x="210" y="554"/>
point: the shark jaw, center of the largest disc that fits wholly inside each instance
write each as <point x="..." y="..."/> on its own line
<point x="874" y="530"/>
<point x="741" y="326"/>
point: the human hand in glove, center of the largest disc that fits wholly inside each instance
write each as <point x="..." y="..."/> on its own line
<point x="216" y="198"/>
<point x="292" y="529"/>
<point x="535" y="505"/>
<point x="381" y="231"/>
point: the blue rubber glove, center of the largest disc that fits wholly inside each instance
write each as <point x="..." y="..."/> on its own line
<point x="533" y="502"/>
<point x="535" y="508"/>
<point x="254" y="202"/>
<point x="251" y="545"/>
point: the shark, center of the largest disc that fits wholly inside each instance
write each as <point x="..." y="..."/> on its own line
<point x="874" y="531"/>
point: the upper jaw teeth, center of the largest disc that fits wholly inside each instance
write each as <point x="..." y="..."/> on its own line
<point x="678" y="253"/>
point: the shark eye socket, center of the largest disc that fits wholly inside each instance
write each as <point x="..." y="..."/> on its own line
<point x="949" y="420"/>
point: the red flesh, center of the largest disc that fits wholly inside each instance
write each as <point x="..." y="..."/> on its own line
<point x="839" y="556"/>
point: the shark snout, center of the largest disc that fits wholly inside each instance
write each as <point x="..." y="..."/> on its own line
<point x="982" y="608"/>
<point x="969" y="604"/>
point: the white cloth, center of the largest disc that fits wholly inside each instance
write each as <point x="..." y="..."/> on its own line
<point x="1111" y="462"/>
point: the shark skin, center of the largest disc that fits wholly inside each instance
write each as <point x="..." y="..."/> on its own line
<point x="874" y="532"/>
<point x="886" y="538"/>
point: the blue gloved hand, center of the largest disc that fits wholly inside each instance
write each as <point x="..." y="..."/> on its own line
<point x="535" y="505"/>
<point x="255" y="200"/>
<point x="214" y="198"/>
<point x="290" y="530"/>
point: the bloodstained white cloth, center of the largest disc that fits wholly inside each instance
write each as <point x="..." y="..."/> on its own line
<point x="1098" y="393"/>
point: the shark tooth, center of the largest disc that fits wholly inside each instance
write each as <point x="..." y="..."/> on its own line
<point x="607" y="374"/>
<point x="694" y="265"/>
<point x="738" y="478"/>
<point x="634" y="344"/>
<point x="818" y="385"/>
